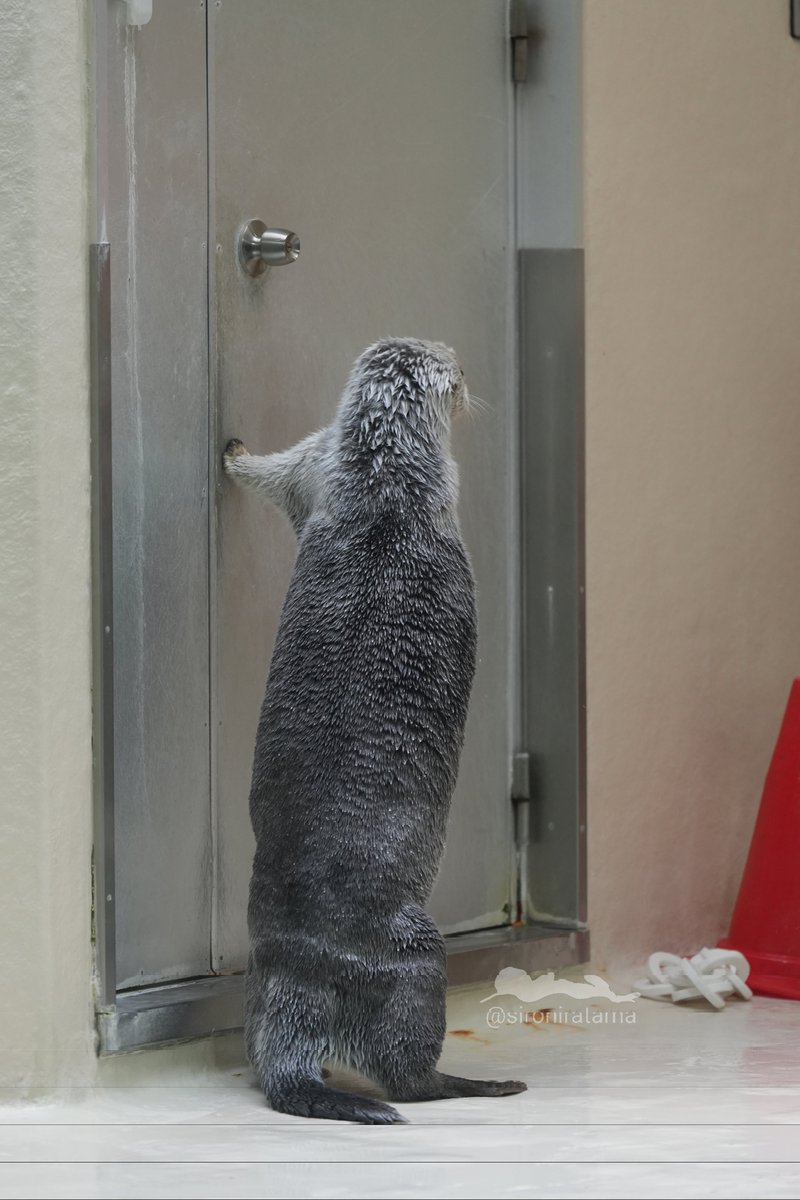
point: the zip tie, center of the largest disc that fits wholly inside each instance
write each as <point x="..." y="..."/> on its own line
<point x="714" y="975"/>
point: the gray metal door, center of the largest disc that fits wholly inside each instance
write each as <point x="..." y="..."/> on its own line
<point x="379" y="132"/>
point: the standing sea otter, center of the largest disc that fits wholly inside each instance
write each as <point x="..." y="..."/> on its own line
<point x="358" y="744"/>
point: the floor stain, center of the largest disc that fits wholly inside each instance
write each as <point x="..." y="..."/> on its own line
<point x="468" y="1033"/>
<point x="539" y="1017"/>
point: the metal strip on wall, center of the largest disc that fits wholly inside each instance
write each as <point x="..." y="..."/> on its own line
<point x="552" y="383"/>
<point x="103" y="622"/>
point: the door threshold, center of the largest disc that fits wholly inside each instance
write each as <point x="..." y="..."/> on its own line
<point x="193" y="1008"/>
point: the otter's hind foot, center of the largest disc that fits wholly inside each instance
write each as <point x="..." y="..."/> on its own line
<point x="484" y="1087"/>
<point x="439" y="1086"/>
<point x="308" y="1098"/>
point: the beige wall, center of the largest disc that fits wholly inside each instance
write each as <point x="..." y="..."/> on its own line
<point x="45" y="726"/>
<point x="692" y="186"/>
<point x="693" y="461"/>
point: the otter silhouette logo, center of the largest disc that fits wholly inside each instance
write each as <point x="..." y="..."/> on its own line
<point x="513" y="981"/>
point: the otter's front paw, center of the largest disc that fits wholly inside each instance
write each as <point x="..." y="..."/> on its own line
<point x="233" y="450"/>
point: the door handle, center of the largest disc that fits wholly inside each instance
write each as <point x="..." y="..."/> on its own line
<point x="260" y="247"/>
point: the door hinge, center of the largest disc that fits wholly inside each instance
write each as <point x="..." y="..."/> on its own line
<point x="521" y="777"/>
<point x="518" y="33"/>
<point x="521" y="800"/>
<point x="521" y="797"/>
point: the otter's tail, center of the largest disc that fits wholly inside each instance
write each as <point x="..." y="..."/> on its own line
<point x="305" y="1096"/>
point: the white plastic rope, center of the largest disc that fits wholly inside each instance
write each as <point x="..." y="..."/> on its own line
<point x="713" y="974"/>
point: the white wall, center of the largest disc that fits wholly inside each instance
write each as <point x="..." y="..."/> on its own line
<point x="45" y="712"/>
<point x="692" y="178"/>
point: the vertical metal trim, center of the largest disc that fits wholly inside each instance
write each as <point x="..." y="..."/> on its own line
<point x="103" y="622"/>
<point x="214" y="494"/>
<point x="581" y="743"/>
<point x="518" y="855"/>
<point x="100" y="116"/>
<point x="551" y="314"/>
<point x="552" y="498"/>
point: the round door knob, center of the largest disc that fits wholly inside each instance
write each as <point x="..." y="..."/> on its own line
<point x="260" y="247"/>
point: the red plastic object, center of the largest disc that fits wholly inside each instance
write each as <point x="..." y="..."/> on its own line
<point x="766" y="920"/>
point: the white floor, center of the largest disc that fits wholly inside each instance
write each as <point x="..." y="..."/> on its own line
<point x="685" y="1102"/>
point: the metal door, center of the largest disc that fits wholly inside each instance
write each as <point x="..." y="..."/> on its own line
<point x="380" y="132"/>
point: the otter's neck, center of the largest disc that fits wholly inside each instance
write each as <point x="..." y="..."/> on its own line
<point x="394" y="452"/>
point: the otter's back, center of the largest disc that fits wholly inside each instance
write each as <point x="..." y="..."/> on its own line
<point x="364" y="713"/>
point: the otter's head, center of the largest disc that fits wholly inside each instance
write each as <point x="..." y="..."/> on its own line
<point x="394" y="424"/>
<point x="421" y="382"/>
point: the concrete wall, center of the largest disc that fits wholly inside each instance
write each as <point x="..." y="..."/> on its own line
<point x="692" y="178"/>
<point x="45" y="725"/>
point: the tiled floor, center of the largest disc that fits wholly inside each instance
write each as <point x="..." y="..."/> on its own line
<point x="681" y="1102"/>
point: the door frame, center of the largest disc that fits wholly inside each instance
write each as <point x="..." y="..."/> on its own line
<point x="550" y="786"/>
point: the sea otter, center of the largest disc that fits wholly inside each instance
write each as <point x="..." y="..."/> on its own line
<point x="358" y="744"/>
